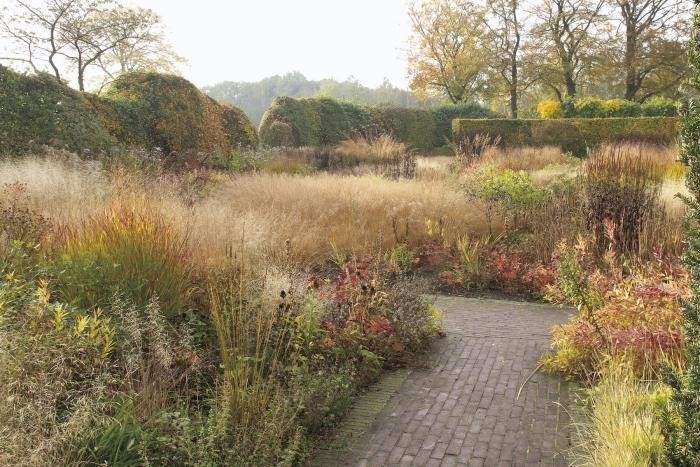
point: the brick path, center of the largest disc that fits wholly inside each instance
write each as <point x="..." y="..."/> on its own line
<point x="463" y="410"/>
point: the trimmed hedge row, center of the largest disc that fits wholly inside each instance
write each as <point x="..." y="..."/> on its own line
<point x="575" y="135"/>
<point x="593" y="107"/>
<point x="39" y="109"/>
<point x="143" y="110"/>
<point x="323" y="121"/>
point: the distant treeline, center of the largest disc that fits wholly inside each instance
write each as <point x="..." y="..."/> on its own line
<point x="254" y="98"/>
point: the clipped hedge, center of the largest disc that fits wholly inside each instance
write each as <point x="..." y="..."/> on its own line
<point x="39" y="109"/>
<point x="167" y="111"/>
<point x="575" y="135"/>
<point x="143" y="110"/>
<point x="324" y="121"/>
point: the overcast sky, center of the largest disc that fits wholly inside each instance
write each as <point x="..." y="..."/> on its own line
<point x="246" y="40"/>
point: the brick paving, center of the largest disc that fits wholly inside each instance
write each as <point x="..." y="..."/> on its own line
<point x="463" y="409"/>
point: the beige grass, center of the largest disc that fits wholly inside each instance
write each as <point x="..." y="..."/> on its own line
<point x="357" y="214"/>
<point x="273" y="214"/>
<point x="524" y="158"/>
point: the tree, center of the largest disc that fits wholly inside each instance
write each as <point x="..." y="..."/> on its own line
<point x="505" y="34"/>
<point x="79" y="35"/>
<point x="447" y="54"/>
<point x="650" y="31"/>
<point x="681" y="423"/>
<point x="566" y="30"/>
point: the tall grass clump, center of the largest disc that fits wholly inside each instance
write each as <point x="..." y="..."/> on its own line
<point x="621" y="427"/>
<point x="394" y="158"/>
<point x="621" y="186"/>
<point x="132" y="251"/>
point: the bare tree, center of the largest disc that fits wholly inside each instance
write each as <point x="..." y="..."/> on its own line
<point x="567" y="31"/>
<point x="73" y="36"/>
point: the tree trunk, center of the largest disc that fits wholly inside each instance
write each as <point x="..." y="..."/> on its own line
<point x="630" y="62"/>
<point x="570" y="84"/>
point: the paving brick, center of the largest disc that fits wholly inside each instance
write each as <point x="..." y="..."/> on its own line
<point x="463" y="410"/>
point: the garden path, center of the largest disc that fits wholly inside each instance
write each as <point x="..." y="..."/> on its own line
<point x="482" y="401"/>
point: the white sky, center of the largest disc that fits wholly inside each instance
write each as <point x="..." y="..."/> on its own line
<point x="246" y="40"/>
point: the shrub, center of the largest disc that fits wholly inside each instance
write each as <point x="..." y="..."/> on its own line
<point x="658" y="106"/>
<point x="154" y="110"/>
<point x="588" y="107"/>
<point x="319" y="121"/>
<point x="444" y="114"/>
<point x="39" y="109"/>
<point x="635" y="317"/>
<point x="239" y="129"/>
<point x="593" y="107"/>
<point x="549" y="109"/>
<point x="682" y="419"/>
<point x="279" y="135"/>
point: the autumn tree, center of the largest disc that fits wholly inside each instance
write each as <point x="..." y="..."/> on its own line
<point x="566" y="31"/>
<point x="505" y="34"/>
<point x="652" y="52"/>
<point x="447" y="55"/>
<point x="74" y="36"/>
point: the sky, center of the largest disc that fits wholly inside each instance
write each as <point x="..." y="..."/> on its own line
<point x="247" y="40"/>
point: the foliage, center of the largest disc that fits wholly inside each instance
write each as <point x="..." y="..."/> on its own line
<point x="152" y="110"/>
<point x="322" y="121"/>
<point x="507" y="191"/>
<point x="682" y="420"/>
<point x="38" y="109"/>
<point x="659" y="106"/>
<point x="635" y="316"/>
<point x="591" y="107"/>
<point x="621" y="426"/>
<point x="572" y="134"/>
<point x="549" y="109"/>
<point x="452" y="68"/>
<point x="129" y="251"/>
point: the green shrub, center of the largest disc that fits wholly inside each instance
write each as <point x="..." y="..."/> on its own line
<point x="681" y="426"/>
<point x="319" y="121"/>
<point x="588" y="107"/>
<point x="157" y="110"/>
<point x="444" y="114"/>
<point x="238" y="127"/>
<point x="39" y="109"/>
<point x="593" y="107"/>
<point x="660" y="107"/>
<point x="576" y="135"/>
<point x="143" y="110"/>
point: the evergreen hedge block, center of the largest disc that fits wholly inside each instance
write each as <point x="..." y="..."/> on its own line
<point x="39" y="109"/>
<point x="142" y="110"/>
<point x="324" y="121"/>
<point x="575" y="135"/>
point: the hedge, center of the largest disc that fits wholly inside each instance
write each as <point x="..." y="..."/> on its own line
<point x="593" y="107"/>
<point x="167" y="111"/>
<point x="575" y="135"/>
<point x="39" y="109"/>
<point x="321" y="121"/>
<point x="141" y="110"/>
